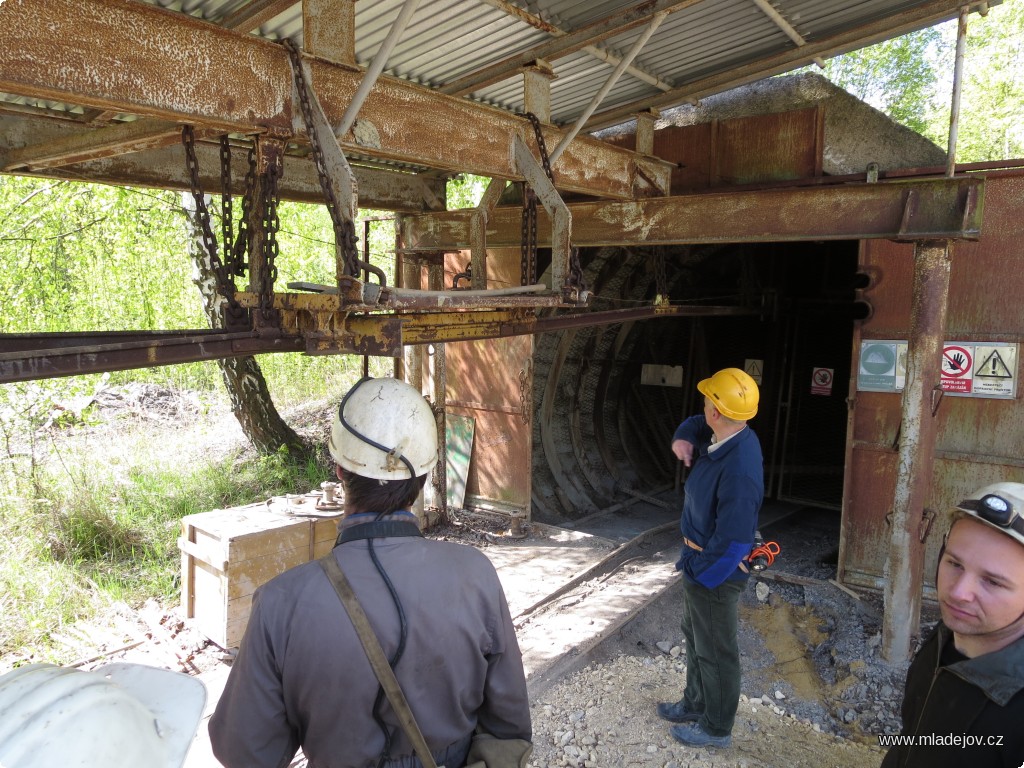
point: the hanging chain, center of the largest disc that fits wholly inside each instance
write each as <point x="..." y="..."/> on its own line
<point x="270" y="225"/>
<point x="243" y="243"/>
<point x="344" y="230"/>
<point x="574" y="278"/>
<point x="235" y="315"/>
<point x="528" y="262"/>
<point x="226" y="224"/>
<point x="524" y="392"/>
<point x="660" y="277"/>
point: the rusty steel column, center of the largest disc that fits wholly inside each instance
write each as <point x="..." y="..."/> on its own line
<point x="905" y="563"/>
<point x="439" y="380"/>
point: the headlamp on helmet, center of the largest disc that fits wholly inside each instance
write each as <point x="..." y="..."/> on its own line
<point x="999" y="506"/>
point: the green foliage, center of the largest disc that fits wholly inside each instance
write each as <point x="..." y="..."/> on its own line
<point x="466" y="190"/>
<point x="992" y="102"/>
<point x="97" y="520"/>
<point x="910" y="79"/>
<point x="896" y="76"/>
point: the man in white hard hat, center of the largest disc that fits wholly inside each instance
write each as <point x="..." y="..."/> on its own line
<point x="964" y="698"/>
<point x="302" y="678"/>
<point x="724" y="491"/>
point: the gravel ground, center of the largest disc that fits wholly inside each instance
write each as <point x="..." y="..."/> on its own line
<point x="815" y="690"/>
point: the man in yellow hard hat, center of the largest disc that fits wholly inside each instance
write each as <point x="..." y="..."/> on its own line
<point x="965" y="688"/>
<point x="724" y="491"/>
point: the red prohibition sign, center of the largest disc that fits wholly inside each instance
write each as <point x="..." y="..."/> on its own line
<point x="957" y="360"/>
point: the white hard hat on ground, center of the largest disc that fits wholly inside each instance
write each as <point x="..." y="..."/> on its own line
<point x="119" y="716"/>
<point x="384" y="429"/>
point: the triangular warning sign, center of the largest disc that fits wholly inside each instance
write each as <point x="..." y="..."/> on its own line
<point x="993" y="367"/>
<point x="754" y="369"/>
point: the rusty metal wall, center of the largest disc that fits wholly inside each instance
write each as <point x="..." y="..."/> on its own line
<point x="490" y="382"/>
<point x="979" y="440"/>
<point x="743" y="150"/>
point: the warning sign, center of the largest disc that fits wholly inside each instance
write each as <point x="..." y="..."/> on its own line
<point x="821" y="381"/>
<point x="754" y="368"/>
<point x="995" y="370"/>
<point x="957" y="368"/>
<point x="971" y="369"/>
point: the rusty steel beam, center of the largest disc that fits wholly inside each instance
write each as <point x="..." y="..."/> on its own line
<point x="922" y="15"/>
<point x="24" y="357"/>
<point x="80" y="147"/>
<point x="904" y="210"/>
<point x="165" y="168"/>
<point x="317" y="328"/>
<point x="566" y="43"/>
<point x="86" y="52"/>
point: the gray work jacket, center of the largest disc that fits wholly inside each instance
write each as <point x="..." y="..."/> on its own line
<point x="301" y="677"/>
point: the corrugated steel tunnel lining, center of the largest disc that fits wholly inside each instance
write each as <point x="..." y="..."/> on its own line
<point x="598" y="433"/>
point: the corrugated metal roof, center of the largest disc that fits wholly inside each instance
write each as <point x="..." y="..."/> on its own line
<point x="476" y="49"/>
<point x="450" y="39"/>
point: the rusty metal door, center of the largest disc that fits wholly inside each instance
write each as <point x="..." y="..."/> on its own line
<point x="491" y="382"/>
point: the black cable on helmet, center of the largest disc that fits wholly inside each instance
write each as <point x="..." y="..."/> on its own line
<point x="364" y="438"/>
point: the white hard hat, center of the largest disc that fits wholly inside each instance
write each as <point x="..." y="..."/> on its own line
<point x="384" y="429"/>
<point x="119" y="716"/>
<point x="1000" y="506"/>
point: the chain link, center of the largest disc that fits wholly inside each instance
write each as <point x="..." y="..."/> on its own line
<point x="660" y="277"/>
<point x="574" y="278"/>
<point x="524" y="392"/>
<point x="344" y="230"/>
<point x="271" y="223"/>
<point x="235" y="316"/>
<point x="226" y="224"/>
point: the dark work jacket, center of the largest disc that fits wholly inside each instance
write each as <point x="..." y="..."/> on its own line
<point x="979" y="697"/>
<point x="724" y="491"/>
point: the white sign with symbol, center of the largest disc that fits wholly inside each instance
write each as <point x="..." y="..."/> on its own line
<point x="821" y="381"/>
<point x="995" y="370"/>
<point x="966" y="368"/>
<point x="957" y="367"/>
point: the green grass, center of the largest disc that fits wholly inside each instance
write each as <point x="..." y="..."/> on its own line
<point x="90" y="514"/>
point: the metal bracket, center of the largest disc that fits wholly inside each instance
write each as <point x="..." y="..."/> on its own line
<point x="561" y="216"/>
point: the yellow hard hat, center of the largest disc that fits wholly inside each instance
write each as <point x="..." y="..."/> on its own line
<point x="732" y="392"/>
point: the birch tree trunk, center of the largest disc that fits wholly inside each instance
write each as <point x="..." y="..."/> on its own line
<point x="246" y="387"/>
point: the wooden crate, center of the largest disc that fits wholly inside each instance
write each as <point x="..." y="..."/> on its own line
<point x="227" y="553"/>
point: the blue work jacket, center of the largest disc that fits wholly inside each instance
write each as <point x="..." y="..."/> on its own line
<point x="724" y="491"/>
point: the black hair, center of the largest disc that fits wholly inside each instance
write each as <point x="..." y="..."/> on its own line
<point x="367" y="494"/>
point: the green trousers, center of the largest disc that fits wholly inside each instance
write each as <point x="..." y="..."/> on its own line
<point x="710" y="619"/>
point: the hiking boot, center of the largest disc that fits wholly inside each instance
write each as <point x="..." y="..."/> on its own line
<point x="695" y="736"/>
<point x="676" y="712"/>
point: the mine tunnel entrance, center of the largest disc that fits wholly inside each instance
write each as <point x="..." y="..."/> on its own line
<point x="605" y="428"/>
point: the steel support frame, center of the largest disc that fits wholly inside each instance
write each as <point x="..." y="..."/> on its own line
<point x="152" y="157"/>
<point x="904" y="210"/>
<point x="76" y="51"/>
<point x="313" y="324"/>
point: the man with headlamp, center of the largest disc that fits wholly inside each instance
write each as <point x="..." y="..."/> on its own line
<point x="964" y="701"/>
